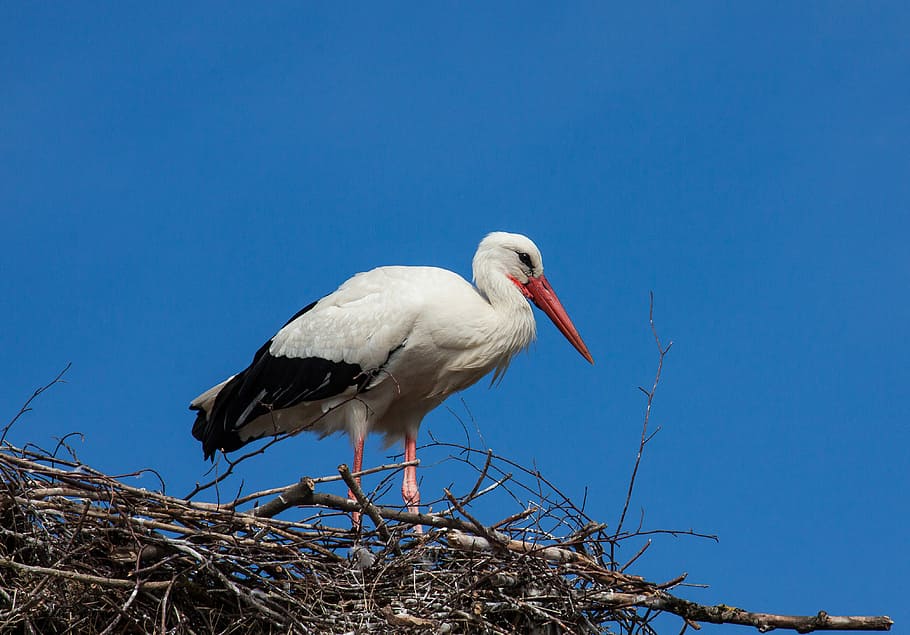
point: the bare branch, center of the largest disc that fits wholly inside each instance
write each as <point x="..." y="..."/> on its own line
<point x="322" y="479"/>
<point x="364" y="502"/>
<point x="662" y="353"/>
<point x="723" y="614"/>
<point x="27" y="406"/>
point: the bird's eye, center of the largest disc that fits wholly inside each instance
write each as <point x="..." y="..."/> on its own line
<point x="525" y="259"/>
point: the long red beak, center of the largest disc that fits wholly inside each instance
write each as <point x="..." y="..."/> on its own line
<point x="539" y="290"/>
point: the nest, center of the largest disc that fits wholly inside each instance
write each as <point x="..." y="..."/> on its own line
<point x="83" y="551"/>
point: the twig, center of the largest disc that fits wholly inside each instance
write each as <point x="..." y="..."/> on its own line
<point x="637" y="555"/>
<point x="123" y="609"/>
<point x="322" y="479"/>
<point x="299" y="494"/>
<point x="372" y="470"/>
<point x="233" y="464"/>
<point x="662" y="353"/>
<point x="723" y="614"/>
<point x="27" y="406"/>
<point x="364" y="502"/>
<point x="82" y="577"/>
<point x="514" y="518"/>
<point x="476" y="524"/>
<point x="480" y="477"/>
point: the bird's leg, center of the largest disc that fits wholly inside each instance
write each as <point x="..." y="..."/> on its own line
<point x="358" y="466"/>
<point x="409" y="491"/>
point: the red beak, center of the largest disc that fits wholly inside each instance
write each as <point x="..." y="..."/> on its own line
<point x="542" y="294"/>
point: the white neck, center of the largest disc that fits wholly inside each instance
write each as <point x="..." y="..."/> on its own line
<point x="515" y="327"/>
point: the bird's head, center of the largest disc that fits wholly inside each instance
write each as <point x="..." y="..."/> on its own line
<point x="518" y="259"/>
<point x="512" y="255"/>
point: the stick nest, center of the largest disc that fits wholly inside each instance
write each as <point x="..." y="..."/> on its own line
<point x="83" y="551"/>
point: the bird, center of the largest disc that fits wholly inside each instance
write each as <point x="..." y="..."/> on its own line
<point x="383" y="350"/>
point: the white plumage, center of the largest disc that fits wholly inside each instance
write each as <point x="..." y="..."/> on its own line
<point x="384" y="349"/>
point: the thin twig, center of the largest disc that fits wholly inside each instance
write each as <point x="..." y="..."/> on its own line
<point x="27" y="406"/>
<point x="322" y="479"/>
<point x="82" y="577"/>
<point x="662" y="353"/>
<point x="364" y="502"/>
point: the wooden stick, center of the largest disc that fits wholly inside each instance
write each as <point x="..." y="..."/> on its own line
<point x="368" y="507"/>
<point x="723" y="614"/>
<point x="83" y="577"/>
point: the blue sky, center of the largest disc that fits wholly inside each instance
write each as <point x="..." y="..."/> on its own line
<point x="177" y="181"/>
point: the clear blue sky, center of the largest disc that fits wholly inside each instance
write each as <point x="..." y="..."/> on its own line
<point x="176" y="181"/>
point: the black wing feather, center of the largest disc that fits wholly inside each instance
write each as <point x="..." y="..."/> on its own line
<point x="271" y="383"/>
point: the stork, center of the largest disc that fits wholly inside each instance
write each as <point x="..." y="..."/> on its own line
<point x="384" y="349"/>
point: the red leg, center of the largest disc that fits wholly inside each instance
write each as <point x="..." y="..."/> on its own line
<point x="358" y="466"/>
<point x="409" y="491"/>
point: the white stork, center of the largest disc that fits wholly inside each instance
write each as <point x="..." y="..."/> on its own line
<point x="384" y="349"/>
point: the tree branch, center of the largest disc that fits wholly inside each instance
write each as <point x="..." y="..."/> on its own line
<point x="364" y="502"/>
<point x="662" y="353"/>
<point x="27" y="406"/>
<point x="723" y="614"/>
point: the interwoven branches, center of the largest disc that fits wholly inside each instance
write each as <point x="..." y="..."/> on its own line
<point x="82" y="550"/>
